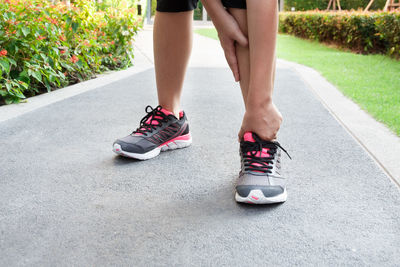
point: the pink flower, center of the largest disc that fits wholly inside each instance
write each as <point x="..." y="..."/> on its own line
<point x="74" y="59"/>
<point x="3" y="53"/>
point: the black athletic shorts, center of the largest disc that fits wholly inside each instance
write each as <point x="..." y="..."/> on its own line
<point x="187" y="5"/>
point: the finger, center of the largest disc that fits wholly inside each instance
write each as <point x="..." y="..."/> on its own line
<point x="230" y="55"/>
<point x="241" y="39"/>
<point x="240" y="134"/>
<point x="235" y="71"/>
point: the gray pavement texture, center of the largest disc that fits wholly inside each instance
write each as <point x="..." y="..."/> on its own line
<point x="66" y="199"/>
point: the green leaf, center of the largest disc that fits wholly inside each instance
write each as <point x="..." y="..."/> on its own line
<point x="37" y="75"/>
<point x="12" y="99"/>
<point x="68" y="21"/>
<point x="44" y="57"/>
<point x="46" y="83"/>
<point x="24" y="76"/>
<point x="52" y="78"/>
<point x="61" y="75"/>
<point x="9" y="100"/>
<point x="18" y="93"/>
<point x="5" y="65"/>
<point x="25" y="31"/>
<point x="25" y="85"/>
<point x="79" y="63"/>
<point x="75" y="26"/>
<point x="51" y="62"/>
<point x="3" y="93"/>
<point x="66" y="66"/>
<point x="8" y="86"/>
<point x="12" y="62"/>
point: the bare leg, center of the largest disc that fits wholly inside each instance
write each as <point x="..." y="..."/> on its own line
<point x="242" y="52"/>
<point x="172" y="37"/>
<point x="262" y="116"/>
<point x="263" y="26"/>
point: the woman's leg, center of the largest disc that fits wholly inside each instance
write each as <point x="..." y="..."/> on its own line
<point x="172" y="38"/>
<point x="242" y="53"/>
<point x="261" y="117"/>
<point x="257" y="71"/>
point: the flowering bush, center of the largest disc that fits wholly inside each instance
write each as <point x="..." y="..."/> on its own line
<point x="45" y="46"/>
<point x="301" y="5"/>
<point x="372" y="32"/>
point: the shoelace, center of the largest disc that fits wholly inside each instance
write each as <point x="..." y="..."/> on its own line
<point x="252" y="162"/>
<point x="153" y="114"/>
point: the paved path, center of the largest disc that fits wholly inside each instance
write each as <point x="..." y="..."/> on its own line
<point x="66" y="199"/>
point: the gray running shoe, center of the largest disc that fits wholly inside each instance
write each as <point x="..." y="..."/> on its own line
<point x="159" y="131"/>
<point x="260" y="180"/>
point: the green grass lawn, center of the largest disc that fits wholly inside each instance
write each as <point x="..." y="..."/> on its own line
<point x="372" y="81"/>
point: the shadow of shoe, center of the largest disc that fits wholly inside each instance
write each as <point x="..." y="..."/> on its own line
<point x="120" y="160"/>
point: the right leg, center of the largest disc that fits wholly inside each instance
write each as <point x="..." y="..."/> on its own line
<point x="172" y="37"/>
<point x="259" y="181"/>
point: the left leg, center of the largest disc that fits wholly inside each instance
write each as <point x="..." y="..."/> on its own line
<point x="261" y="117"/>
<point x="242" y="52"/>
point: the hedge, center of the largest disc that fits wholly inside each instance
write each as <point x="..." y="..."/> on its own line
<point x="372" y="32"/>
<point x="302" y="5"/>
<point x="45" y="46"/>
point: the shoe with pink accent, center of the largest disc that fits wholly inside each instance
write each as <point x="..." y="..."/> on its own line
<point x="159" y="131"/>
<point x="260" y="180"/>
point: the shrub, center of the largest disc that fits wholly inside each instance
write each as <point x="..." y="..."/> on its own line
<point x="372" y="32"/>
<point x="45" y="46"/>
<point x="302" y="5"/>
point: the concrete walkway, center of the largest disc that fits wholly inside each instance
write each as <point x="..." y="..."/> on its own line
<point x="66" y="199"/>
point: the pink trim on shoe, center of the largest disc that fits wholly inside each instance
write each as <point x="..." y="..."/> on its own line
<point x="185" y="137"/>
<point x="163" y="110"/>
<point x="166" y="112"/>
<point x="248" y="137"/>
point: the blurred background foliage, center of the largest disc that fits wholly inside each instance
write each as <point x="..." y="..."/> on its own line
<point x="301" y="5"/>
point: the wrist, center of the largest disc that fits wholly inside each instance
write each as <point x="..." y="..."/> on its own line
<point x="217" y="12"/>
<point x="258" y="102"/>
<point x="213" y="8"/>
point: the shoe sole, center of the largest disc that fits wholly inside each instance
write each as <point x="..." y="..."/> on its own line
<point x="256" y="196"/>
<point x="170" y="145"/>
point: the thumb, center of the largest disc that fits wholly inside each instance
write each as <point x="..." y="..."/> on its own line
<point x="240" y="134"/>
<point x="240" y="38"/>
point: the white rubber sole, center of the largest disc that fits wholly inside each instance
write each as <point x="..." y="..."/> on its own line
<point x="256" y="196"/>
<point x="155" y="152"/>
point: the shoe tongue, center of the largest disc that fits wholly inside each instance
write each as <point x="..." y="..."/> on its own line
<point x="249" y="137"/>
<point x="166" y="112"/>
<point x="154" y="122"/>
<point x="163" y="110"/>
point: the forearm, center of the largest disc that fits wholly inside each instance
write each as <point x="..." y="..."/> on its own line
<point x="216" y="11"/>
<point x="229" y="32"/>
